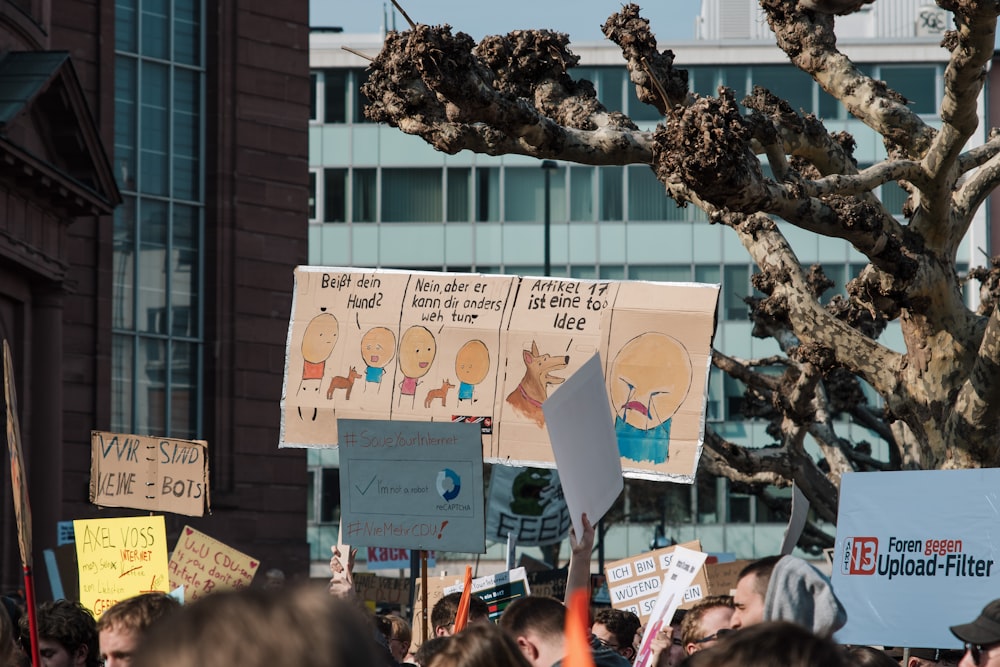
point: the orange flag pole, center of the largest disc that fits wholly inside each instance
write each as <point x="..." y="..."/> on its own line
<point x="578" y="652"/>
<point x="462" y="615"/>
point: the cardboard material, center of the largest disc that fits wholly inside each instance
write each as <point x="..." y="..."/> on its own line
<point x="413" y="485"/>
<point x="684" y="566"/>
<point x="201" y="564"/>
<point x="120" y="558"/>
<point x="148" y="473"/>
<point x="490" y="350"/>
<point x="722" y="577"/>
<point x="634" y="583"/>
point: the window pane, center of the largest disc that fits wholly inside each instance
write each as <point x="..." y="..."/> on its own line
<point x="703" y="80"/>
<point x="185" y="273"/>
<point x="152" y="267"/>
<point x="187" y="180"/>
<point x="458" y="194"/>
<point x="335" y="195"/>
<point x="187" y="41"/>
<point x="524" y="194"/>
<point x="581" y="194"/>
<point x="312" y="195"/>
<point x="676" y="273"/>
<point x="125" y="26"/>
<point x="915" y="83"/>
<point x="647" y="199"/>
<point x="411" y="195"/>
<point x="363" y="203"/>
<point x="123" y="313"/>
<point x="732" y="77"/>
<point x="313" y="83"/>
<point x="610" y="83"/>
<point x="335" y="96"/>
<point x="311" y="497"/>
<point x="151" y="408"/>
<point x="638" y="111"/>
<point x="487" y="194"/>
<point x="121" y="384"/>
<point x="155" y="32"/>
<point x="612" y="273"/>
<point x="154" y="123"/>
<point x="125" y="121"/>
<point x="360" y="101"/>
<point x="611" y="192"/>
<point x="735" y="286"/>
<point x="893" y="197"/>
<point x="183" y="391"/>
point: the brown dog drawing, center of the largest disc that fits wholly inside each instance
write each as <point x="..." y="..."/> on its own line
<point x="441" y="393"/>
<point x="533" y="389"/>
<point x="341" y="382"/>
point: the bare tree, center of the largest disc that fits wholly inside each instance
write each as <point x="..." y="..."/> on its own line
<point x="941" y="396"/>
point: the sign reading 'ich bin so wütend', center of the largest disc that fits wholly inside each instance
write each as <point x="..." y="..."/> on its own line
<point x="916" y="552"/>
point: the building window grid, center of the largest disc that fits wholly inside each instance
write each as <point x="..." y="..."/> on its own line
<point x="165" y="336"/>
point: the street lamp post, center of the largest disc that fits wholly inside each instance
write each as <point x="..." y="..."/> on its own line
<point x="548" y="166"/>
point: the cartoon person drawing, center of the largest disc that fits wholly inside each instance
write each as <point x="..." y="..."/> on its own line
<point x="378" y="347"/>
<point x="472" y="363"/>
<point x="417" y="349"/>
<point x="318" y="342"/>
<point x="648" y="381"/>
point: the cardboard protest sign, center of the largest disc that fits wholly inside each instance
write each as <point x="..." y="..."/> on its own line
<point x="634" y="583"/>
<point x="685" y="564"/>
<point x="147" y="473"/>
<point x="527" y="503"/>
<point x="381" y="558"/>
<point x="414" y="485"/>
<point x="201" y="564"/>
<point x="120" y="558"/>
<point x="722" y="577"/>
<point x="490" y="350"/>
<point x="904" y="538"/>
<point x="377" y="590"/>
<point x="497" y="590"/>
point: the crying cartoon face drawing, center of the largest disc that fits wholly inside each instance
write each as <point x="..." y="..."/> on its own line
<point x="649" y="379"/>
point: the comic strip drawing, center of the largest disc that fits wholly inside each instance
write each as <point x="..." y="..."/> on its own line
<point x="317" y="345"/>
<point x="378" y="347"/>
<point x="417" y="349"/>
<point x="472" y="364"/>
<point x="441" y="393"/>
<point x="533" y="389"/>
<point x="343" y="382"/>
<point x="649" y="379"/>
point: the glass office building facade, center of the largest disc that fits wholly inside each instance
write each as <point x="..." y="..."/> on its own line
<point x="384" y="199"/>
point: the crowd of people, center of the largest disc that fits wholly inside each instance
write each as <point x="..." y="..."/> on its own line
<point x="782" y="613"/>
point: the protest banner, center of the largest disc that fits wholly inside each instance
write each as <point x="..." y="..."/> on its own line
<point x="685" y="565"/>
<point x="381" y="558"/>
<point x="916" y="552"/>
<point x="497" y="590"/>
<point x="527" y="503"/>
<point x="634" y="583"/>
<point x="489" y="350"/>
<point x="202" y="564"/>
<point x="120" y="558"/>
<point x="148" y="473"/>
<point x="376" y="590"/>
<point x="414" y="485"/>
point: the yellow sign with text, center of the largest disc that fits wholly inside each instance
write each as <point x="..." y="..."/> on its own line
<point x="120" y="558"/>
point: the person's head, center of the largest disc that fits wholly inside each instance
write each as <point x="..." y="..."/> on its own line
<point x="869" y="656"/>
<point x="537" y="625"/>
<point x="429" y="649"/>
<point x="771" y="644"/>
<point x="981" y="638"/>
<point x="480" y="645"/>
<point x="122" y="626"/>
<point x="255" y="627"/>
<point x="934" y="657"/>
<point x="751" y="588"/>
<point x="397" y="633"/>
<point x="616" y="628"/>
<point x="10" y="651"/>
<point x="444" y="611"/>
<point x="704" y="621"/>
<point x="67" y="635"/>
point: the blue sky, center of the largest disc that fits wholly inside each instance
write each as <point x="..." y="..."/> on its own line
<point x="582" y="19"/>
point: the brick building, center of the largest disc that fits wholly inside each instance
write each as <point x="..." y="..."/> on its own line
<point x="153" y="180"/>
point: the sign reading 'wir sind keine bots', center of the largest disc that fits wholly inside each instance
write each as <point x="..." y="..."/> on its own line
<point x="415" y="485"/>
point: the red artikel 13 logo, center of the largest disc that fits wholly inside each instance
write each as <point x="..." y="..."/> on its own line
<point x="860" y="555"/>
